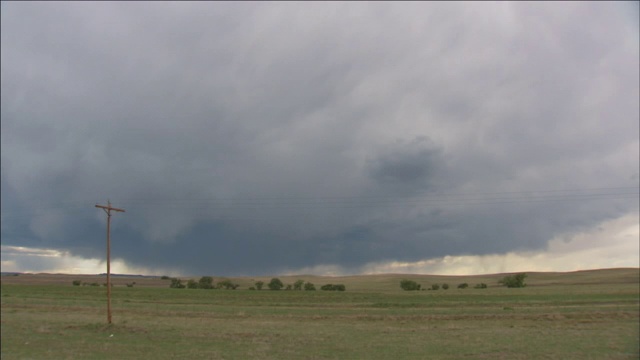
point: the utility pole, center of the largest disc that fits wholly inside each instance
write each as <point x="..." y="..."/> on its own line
<point x="107" y="209"/>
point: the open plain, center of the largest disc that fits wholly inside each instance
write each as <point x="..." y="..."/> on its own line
<point x="576" y="315"/>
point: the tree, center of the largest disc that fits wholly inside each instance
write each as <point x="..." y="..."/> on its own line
<point x="409" y="285"/>
<point x="309" y="287"/>
<point x="298" y="285"/>
<point x="445" y="286"/>
<point x="205" y="282"/>
<point x="514" y="281"/>
<point x="275" y="284"/>
<point x="435" y="287"/>
<point x="192" y="284"/>
<point x="463" y="286"/>
<point x="332" y="287"/>
<point x="176" y="283"/>
<point x="259" y="285"/>
<point x="227" y="284"/>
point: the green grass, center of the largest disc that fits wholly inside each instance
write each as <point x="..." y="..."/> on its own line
<point x="557" y="316"/>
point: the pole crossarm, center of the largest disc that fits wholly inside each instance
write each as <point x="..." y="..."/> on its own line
<point x="109" y="208"/>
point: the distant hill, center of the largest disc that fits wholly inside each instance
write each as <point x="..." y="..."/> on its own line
<point x="378" y="282"/>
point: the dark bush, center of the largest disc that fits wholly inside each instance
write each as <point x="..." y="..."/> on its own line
<point x="309" y="286"/>
<point x="480" y="286"/>
<point x="514" y="281"/>
<point x="192" y="284"/>
<point x="435" y="287"/>
<point x="463" y="286"/>
<point x="445" y="286"/>
<point x="76" y="282"/>
<point x="227" y="284"/>
<point x="176" y="284"/>
<point x="275" y="284"/>
<point x="165" y="277"/>
<point x="298" y="285"/>
<point x="332" y="287"/>
<point x="259" y="285"/>
<point x="409" y="285"/>
<point x="205" y="282"/>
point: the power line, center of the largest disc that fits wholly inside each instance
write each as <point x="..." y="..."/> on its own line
<point x="366" y="201"/>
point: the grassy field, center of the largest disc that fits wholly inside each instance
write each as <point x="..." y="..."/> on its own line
<point x="578" y="315"/>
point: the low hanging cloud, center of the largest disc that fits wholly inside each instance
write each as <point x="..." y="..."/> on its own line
<point x="251" y="138"/>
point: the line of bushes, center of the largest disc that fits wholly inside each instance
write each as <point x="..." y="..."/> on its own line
<point x="410" y="285"/>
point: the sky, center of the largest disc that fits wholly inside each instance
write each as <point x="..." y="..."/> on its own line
<point x="330" y="138"/>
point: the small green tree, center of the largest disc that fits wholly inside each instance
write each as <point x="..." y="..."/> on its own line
<point x="463" y="286"/>
<point x="227" y="284"/>
<point x="445" y="286"/>
<point x="435" y="287"/>
<point x="76" y="282"/>
<point x="332" y="287"/>
<point x="176" y="284"/>
<point x="409" y="285"/>
<point x="259" y="285"/>
<point x="192" y="284"/>
<point x="514" y="281"/>
<point x="205" y="282"/>
<point x="275" y="284"/>
<point x="309" y="287"/>
<point x="298" y="285"/>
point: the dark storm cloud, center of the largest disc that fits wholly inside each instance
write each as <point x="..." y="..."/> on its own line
<point x="254" y="137"/>
<point x="411" y="164"/>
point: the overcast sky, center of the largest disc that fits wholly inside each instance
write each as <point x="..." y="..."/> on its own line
<point x="267" y="138"/>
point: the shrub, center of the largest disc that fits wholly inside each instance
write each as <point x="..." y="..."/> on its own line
<point x="445" y="286"/>
<point x="480" y="286"/>
<point x="514" y="281"/>
<point x="435" y="287"/>
<point x="275" y="284"/>
<point x="131" y="284"/>
<point x="165" y="277"/>
<point x="332" y="287"/>
<point x="259" y="285"/>
<point x="409" y="285"/>
<point x="326" y="287"/>
<point x="192" y="284"/>
<point x="252" y="288"/>
<point x="176" y="284"/>
<point x="288" y="287"/>
<point x="463" y="286"/>
<point x="76" y="282"/>
<point x="309" y="287"/>
<point x="205" y="282"/>
<point x="298" y="285"/>
<point x="227" y="284"/>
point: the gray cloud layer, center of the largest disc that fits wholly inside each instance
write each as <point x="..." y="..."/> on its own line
<point x="252" y="137"/>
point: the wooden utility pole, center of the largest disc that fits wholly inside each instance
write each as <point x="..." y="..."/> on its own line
<point x="107" y="209"/>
